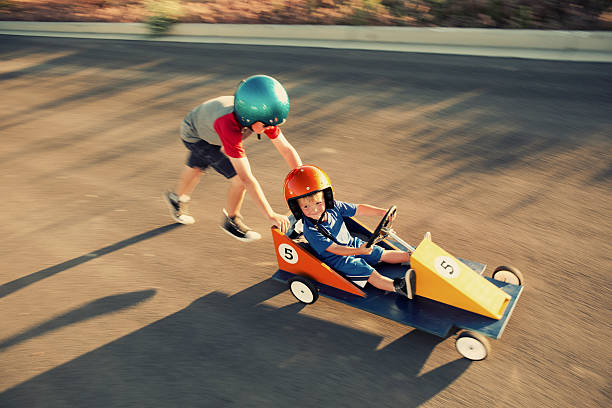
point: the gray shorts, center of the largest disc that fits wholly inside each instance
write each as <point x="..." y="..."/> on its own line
<point x="203" y="154"/>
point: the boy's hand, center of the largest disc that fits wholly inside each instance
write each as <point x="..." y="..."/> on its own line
<point x="281" y="221"/>
<point x="363" y="250"/>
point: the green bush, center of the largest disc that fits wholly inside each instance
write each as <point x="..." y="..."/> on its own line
<point x="160" y="25"/>
<point x="364" y="12"/>
<point x="164" y="14"/>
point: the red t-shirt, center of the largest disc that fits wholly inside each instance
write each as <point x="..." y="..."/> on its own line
<point x="230" y="133"/>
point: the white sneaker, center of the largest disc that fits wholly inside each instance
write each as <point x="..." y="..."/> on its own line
<point x="238" y="229"/>
<point x="178" y="209"/>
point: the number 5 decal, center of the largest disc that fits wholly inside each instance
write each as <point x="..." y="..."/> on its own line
<point x="447" y="266"/>
<point x="288" y="253"/>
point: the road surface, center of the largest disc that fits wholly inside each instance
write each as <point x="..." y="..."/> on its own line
<point x="105" y="302"/>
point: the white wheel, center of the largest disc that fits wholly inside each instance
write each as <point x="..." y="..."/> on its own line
<point x="303" y="290"/>
<point x="472" y="346"/>
<point x="508" y="274"/>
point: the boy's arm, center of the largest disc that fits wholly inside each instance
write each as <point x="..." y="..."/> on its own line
<point x="287" y="151"/>
<point x="370" y="210"/>
<point x="243" y="170"/>
<point x="348" y="251"/>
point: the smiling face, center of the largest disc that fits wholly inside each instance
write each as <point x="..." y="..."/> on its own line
<point x="313" y="205"/>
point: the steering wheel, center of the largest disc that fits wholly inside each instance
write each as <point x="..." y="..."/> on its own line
<point x="383" y="228"/>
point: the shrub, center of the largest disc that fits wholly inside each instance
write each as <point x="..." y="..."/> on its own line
<point x="163" y="15"/>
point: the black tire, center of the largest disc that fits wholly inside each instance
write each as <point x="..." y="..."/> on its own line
<point x="472" y="346"/>
<point x="303" y="290"/>
<point x="508" y="274"/>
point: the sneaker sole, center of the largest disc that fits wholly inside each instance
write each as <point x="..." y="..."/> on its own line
<point x="174" y="217"/>
<point x="410" y="284"/>
<point x="255" y="235"/>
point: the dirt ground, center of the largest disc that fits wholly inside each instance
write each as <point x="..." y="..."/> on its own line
<point x="220" y="11"/>
<point x="352" y="12"/>
<point x="106" y="302"/>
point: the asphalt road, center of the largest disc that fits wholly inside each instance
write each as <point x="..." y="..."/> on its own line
<point x="104" y="302"/>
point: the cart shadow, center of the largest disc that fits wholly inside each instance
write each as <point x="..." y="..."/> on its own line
<point x="235" y="350"/>
<point x="20" y="283"/>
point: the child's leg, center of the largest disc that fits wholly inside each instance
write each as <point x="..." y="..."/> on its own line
<point x="381" y="282"/>
<point x="178" y="201"/>
<point x="356" y="267"/>
<point x="235" y="196"/>
<point x="403" y="286"/>
<point x="233" y="223"/>
<point x="395" y="256"/>
<point x="189" y="180"/>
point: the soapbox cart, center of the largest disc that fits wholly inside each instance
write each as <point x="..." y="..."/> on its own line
<point x="453" y="297"/>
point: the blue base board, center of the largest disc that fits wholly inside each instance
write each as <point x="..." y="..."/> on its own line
<point x="423" y="314"/>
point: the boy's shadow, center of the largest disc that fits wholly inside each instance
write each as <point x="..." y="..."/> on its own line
<point x="20" y="283"/>
<point x="234" y="350"/>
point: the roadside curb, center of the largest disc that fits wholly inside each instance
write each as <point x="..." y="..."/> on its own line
<point x="593" y="46"/>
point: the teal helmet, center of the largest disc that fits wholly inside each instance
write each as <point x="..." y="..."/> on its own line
<point x="261" y="98"/>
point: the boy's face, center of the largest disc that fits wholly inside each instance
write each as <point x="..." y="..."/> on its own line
<point x="259" y="127"/>
<point x="313" y="205"/>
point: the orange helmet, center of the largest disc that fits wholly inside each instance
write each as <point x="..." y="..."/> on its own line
<point x="304" y="181"/>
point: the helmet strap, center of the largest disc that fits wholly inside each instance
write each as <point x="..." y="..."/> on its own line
<point x="321" y="218"/>
<point x="324" y="230"/>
